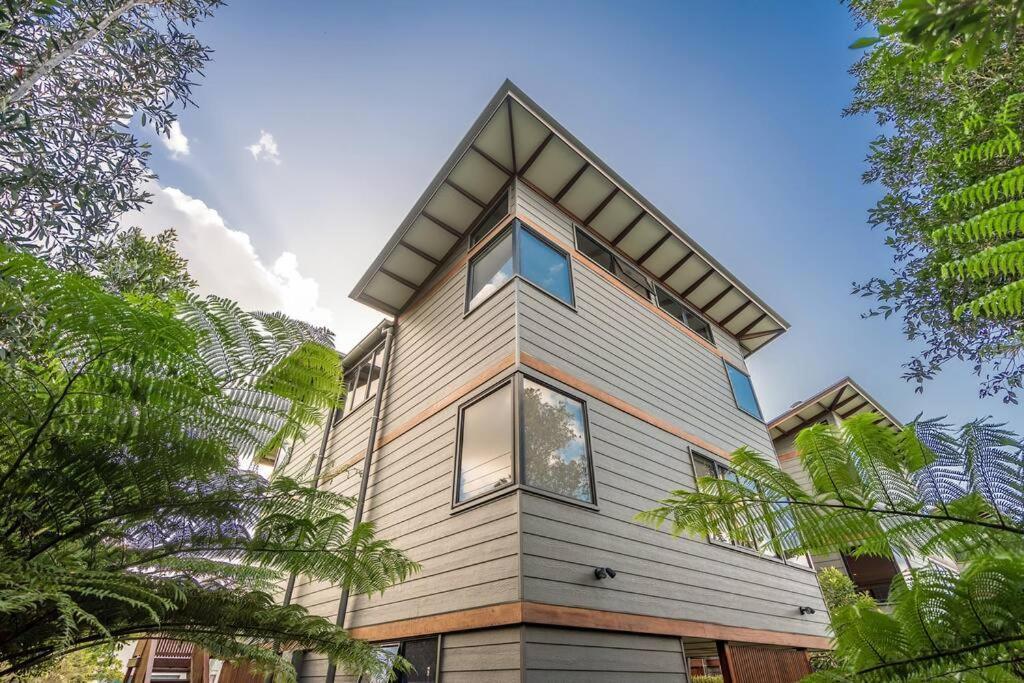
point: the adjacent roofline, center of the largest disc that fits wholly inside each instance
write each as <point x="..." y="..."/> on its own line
<point x="366" y="344"/>
<point x="845" y="381"/>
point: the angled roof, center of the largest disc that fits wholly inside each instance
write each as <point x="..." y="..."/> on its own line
<point x="846" y="398"/>
<point x="513" y="136"/>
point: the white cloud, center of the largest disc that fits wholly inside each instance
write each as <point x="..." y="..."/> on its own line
<point x="224" y="262"/>
<point x="265" y="148"/>
<point x="175" y="141"/>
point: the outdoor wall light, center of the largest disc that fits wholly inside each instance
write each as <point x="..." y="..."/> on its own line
<point x="604" y="573"/>
<point x="806" y="610"/>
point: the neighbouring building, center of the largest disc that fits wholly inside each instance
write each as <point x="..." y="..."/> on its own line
<point x="844" y="399"/>
<point x="561" y="355"/>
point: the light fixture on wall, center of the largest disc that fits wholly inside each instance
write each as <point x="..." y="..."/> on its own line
<point x="807" y="610"/>
<point x="604" y="573"/>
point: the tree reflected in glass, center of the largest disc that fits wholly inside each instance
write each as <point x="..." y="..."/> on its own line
<point x="554" y="443"/>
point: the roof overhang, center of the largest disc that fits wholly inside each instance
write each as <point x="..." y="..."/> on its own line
<point x="845" y="398"/>
<point x="514" y="137"/>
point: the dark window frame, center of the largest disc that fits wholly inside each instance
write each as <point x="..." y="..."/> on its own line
<point x="732" y="387"/>
<point x="516" y="227"/>
<point x="518" y="451"/>
<point x="651" y="285"/>
<point x="710" y="337"/>
<point x="401" y="643"/>
<point x="718" y="467"/>
<point x="352" y="377"/>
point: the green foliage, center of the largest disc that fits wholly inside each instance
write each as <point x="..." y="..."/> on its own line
<point x="92" y="665"/>
<point x="75" y="72"/>
<point x="953" y="32"/>
<point x="926" y="490"/>
<point x="947" y="155"/>
<point x="836" y="588"/>
<point x="706" y="679"/>
<point x="124" y="512"/>
<point x="132" y="263"/>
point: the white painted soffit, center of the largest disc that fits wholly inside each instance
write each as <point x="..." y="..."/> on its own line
<point x="845" y="398"/>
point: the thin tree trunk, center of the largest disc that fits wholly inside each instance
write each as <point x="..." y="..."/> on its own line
<point x="54" y="60"/>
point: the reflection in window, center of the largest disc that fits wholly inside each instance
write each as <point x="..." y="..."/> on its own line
<point x="604" y="257"/>
<point x="421" y="654"/>
<point x="545" y="266"/>
<point x="485" y="463"/>
<point x="743" y="392"/>
<point x="490" y="269"/>
<point x="519" y="250"/>
<point x="554" y="443"/>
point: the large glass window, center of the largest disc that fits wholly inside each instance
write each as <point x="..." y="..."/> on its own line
<point x="519" y="251"/>
<point x="486" y="442"/>
<point x="490" y="269"/>
<point x="553" y="445"/>
<point x="555" y="453"/>
<point x="767" y="546"/>
<point x="678" y="310"/>
<point x="362" y="381"/>
<point x="545" y="266"/>
<point x="743" y="391"/>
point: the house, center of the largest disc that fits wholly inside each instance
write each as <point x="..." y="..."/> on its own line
<point x="561" y="355"/>
<point x="840" y="401"/>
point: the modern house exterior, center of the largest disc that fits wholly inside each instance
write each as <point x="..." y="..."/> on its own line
<point x="840" y="401"/>
<point x="561" y="354"/>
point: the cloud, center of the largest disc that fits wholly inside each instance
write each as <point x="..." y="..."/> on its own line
<point x="224" y="261"/>
<point x="175" y="141"/>
<point x="265" y="148"/>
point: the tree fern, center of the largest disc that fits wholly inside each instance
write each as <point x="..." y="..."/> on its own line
<point x="927" y="490"/>
<point x="989" y="246"/>
<point x="124" y="511"/>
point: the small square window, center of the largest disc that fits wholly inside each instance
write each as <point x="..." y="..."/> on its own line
<point x="545" y="266"/>
<point x="487" y="223"/>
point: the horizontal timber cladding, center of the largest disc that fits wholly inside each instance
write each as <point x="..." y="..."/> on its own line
<point x="492" y="655"/>
<point x="617" y="342"/>
<point x="564" y="655"/>
<point x="658" y="574"/>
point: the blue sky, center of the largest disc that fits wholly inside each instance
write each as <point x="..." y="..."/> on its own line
<point x="725" y="115"/>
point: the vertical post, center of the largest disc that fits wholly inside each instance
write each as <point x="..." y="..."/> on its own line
<point x="364" y="482"/>
<point x="725" y="660"/>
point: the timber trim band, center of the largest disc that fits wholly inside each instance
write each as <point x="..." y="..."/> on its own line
<point x="517" y="613"/>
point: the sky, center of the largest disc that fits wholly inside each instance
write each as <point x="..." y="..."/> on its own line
<point x="316" y="129"/>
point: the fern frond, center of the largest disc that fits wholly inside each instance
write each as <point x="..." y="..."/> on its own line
<point x="1001" y="260"/>
<point x="1001" y="187"/>
<point x="1005" y="220"/>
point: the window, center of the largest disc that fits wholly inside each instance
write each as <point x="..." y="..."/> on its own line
<point x="743" y="392"/>
<point x="486" y="444"/>
<point x="490" y="269"/>
<point x="519" y="251"/>
<point x="487" y="223"/>
<point x="545" y="266"/>
<point x="524" y="432"/>
<point x="421" y="653"/>
<point x="555" y="453"/>
<point x="631" y="276"/>
<point x="678" y="310"/>
<point x="604" y="257"/>
<point x="706" y="467"/>
<point x="363" y="381"/>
